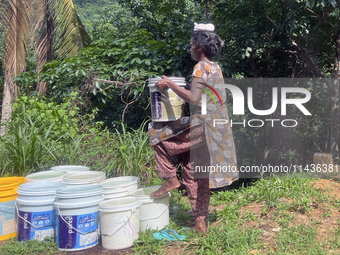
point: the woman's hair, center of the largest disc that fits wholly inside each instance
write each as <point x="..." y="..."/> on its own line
<point x="208" y="41"/>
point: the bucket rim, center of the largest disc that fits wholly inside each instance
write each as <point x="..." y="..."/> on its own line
<point x="79" y="191"/>
<point x="147" y="198"/>
<point x="106" y="182"/>
<point x="40" y="188"/>
<point x="58" y="173"/>
<point x="181" y="84"/>
<point x="88" y="176"/>
<point x="20" y="201"/>
<point x="106" y="207"/>
<point x="74" y="168"/>
<point x="11" y="181"/>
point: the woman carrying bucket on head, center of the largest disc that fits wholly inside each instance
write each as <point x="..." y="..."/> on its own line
<point x="194" y="139"/>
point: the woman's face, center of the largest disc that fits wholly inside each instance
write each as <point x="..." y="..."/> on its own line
<point x="195" y="52"/>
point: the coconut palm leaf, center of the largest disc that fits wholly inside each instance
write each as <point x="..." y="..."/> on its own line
<point x="72" y="35"/>
<point x="16" y="23"/>
<point x="44" y="31"/>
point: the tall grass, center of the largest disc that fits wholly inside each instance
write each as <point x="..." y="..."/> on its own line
<point x="25" y="146"/>
<point x="133" y="154"/>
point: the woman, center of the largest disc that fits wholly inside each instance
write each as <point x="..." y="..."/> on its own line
<point x="195" y="138"/>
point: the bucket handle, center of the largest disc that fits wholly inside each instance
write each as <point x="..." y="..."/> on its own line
<point x="61" y="216"/>
<point x="98" y="230"/>
<point x="154" y="218"/>
<point x="16" y="207"/>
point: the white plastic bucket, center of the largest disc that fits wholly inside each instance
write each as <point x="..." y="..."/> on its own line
<point x="119" y="187"/>
<point x="82" y="178"/>
<point x="36" y="214"/>
<point x="119" y="222"/>
<point x="166" y="105"/>
<point x="70" y="168"/>
<point x="154" y="211"/>
<point x="51" y="176"/>
<point x="77" y="216"/>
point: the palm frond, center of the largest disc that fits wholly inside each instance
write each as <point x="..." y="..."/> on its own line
<point x="16" y="22"/>
<point x="72" y="36"/>
<point x="44" y="28"/>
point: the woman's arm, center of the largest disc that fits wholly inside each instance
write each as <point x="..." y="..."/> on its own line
<point x="192" y="96"/>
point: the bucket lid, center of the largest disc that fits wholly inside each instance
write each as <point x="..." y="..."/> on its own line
<point x="119" y="204"/>
<point x="46" y="175"/>
<point x="79" y="191"/>
<point x="81" y="177"/>
<point x="40" y="188"/>
<point x="144" y="194"/>
<point x="70" y="168"/>
<point x="180" y="81"/>
<point x="120" y="182"/>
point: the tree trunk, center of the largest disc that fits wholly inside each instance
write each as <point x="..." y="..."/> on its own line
<point x="6" y="110"/>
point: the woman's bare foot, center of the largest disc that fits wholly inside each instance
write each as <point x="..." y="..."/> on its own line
<point x="168" y="185"/>
<point x="200" y="227"/>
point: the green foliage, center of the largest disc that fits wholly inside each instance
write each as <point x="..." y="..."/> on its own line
<point x="60" y="118"/>
<point x="40" y="133"/>
<point x="31" y="247"/>
<point x="133" y="154"/>
<point x="300" y="239"/>
<point x="24" y="146"/>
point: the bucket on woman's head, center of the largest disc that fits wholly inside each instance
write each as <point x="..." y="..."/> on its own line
<point x="70" y="168"/>
<point x="8" y="193"/>
<point x="119" y="187"/>
<point x="36" y="214"/>
<point x="83" y="178"/>
<point x="154" y="211"/>
<point x="119" y="222"/>
<point x="166" y="105"/>
<point x="77" y="216"/>
<point x="51" y="176"/>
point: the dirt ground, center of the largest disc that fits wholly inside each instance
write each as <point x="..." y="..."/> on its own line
<point x="265" y="222"/>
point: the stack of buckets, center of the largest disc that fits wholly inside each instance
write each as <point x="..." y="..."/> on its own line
<point x="123" y="217"/>
<point x="70" y="209"/>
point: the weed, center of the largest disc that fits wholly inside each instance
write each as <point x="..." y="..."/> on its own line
<point x="31" y="247"/>
<point x="300" y="239"/>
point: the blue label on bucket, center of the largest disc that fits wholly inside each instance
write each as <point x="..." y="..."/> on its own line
<point x="7" y="218"/>
<point x="156" y="105"/>
<point x="36" y="225"/>
<point x="79" y="232"/>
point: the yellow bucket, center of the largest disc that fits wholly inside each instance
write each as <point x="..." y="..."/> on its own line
<point x="8" y="193"/>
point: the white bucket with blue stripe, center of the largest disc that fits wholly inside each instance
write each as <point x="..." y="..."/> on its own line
<point x="77" y="216"/>
<point x="36" y="214"/>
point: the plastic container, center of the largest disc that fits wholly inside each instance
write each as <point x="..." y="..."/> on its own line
<point x="154" y="211"/>
<point x="119" y="225"/>
<point x="166" y="105"/>
<point x="77" y="217"/>
<point x="83" y="178"/>
<point x="119" y="187"/>
<point x="70" y="168"/>
<point x="8" y="193"/>
<point x="52" y="176"/>
<point x="36" y="215"/>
